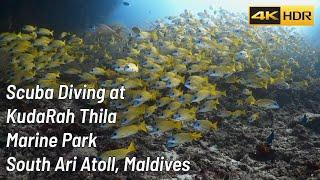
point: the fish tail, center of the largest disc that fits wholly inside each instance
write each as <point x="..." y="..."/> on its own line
<point x="193" y="110"/>
<point x="196" y="135"/>
<point x="224" y="93"/>
<point x="132" y="147"/>
<point x="265" y="86"/>
<point x="178" y="125"/>
<point x="272" y="80"/>
<point x="214" y="125"/>
<point x="143" y="127"/>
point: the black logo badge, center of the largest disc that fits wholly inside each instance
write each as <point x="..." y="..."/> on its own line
<point x="264" y="15"/>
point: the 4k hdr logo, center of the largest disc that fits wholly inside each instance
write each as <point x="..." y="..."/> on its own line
<point x="283" y="15"/>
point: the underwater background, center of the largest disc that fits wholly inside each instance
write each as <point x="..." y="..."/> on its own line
<point x="73" y="15"/>
<point x="237" y="101"/>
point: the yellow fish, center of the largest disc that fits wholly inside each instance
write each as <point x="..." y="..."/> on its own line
<point x="166" y="125"/>
<point x="205" y="125"/>
<point x="88" y="77"/>
<point x="208" y="106"/>
<point x="185" y="114"/>
<point x="72" y="71"/>
<point x="165" y="114"/>
<point x="159" y="85"/>
<point x="250" y="100"/>
<point x="174" y="93"/>
<point x="163" y="101"/>
<point x="29" y="28"/>
<point x="42" y="41"/>
<point x="222" y="71"/>
<point x="185" y="99"/>
<point x="180" y="68"/>
<point x="133" y="83"/>
<point x="254" y="117"/>
<point x="175" y="105"/>
<point x="267" y="104"/>
<point x="99" y="71"/>
<point x="195" y="82"/>
<point x="239" y="102"/>
<point x="150" y="110"/>
<point x="201" y="95"/>
<point x="135" y="110"/>
<point x="143" y="97"/>
<point x="238" y="113"/>
<point x="119" y="153"/>
<point x="57" y="43"/>
<point x="44" y="32"/>
<point x="130" y="130"/>
<point x="182" y="138"/>
<point x="173" y="82"/>
<point x="195" y="68"/>
<point x="130" y="118"/>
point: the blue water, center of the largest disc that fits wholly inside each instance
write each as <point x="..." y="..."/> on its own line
<point x="142" y="12"/>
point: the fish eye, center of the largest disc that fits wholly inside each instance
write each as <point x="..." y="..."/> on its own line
<point x="136" y="103"/>
<point x="114" y="134"/>
<point x="194" y="97"/>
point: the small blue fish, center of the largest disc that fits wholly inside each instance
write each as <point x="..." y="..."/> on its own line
<point x="304" y="120"/>
<point x="126" y="3"/>
<point x="270" y="138"/>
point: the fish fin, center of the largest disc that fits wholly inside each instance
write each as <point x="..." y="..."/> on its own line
<point x="193" y="110"/>
<point x="132" y="147"/>
<point x="143" y="127"/>
<point x="272" y="80"/>
<point x="224" y="93"/>
<point x="196" y="135"/>
<point x="20" y="35"/>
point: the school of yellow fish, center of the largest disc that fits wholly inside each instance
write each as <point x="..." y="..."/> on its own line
<point x="175" y="74"/>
